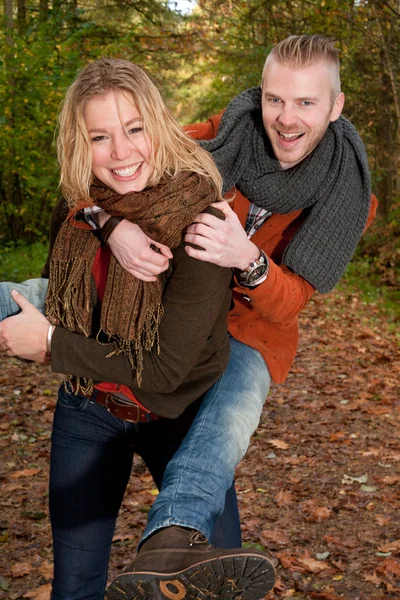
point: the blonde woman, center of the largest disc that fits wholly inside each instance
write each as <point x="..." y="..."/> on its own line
<point x="138" y="356"/>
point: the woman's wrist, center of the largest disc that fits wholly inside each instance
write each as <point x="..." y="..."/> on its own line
<point x="50" y="332"/>
<point x="109" y="227"/>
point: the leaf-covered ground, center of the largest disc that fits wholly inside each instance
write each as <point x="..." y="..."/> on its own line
<point x="318" y="489"/>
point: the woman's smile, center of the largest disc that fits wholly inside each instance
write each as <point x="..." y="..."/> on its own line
<point x="121" y="150"/>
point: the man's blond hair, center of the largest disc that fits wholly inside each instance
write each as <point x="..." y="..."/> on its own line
<point x="298" y="51"/>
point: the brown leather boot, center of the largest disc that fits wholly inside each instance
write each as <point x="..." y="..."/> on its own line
<point x="179" y="564"/>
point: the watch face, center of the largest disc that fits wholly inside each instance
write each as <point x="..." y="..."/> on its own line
<point x="257" y="273"/>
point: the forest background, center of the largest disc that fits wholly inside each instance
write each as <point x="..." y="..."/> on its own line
<point x="200" y="58"/>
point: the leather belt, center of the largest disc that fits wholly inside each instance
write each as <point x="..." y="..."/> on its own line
<point x="126" y="410"/>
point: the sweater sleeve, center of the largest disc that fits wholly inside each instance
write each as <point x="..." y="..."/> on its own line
<point x="284" y="294"/>
<point x="281" y="297"/>
<point x="196" y="296"/>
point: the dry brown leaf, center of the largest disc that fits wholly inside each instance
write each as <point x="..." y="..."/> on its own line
<point x="46" y="569"/>
<point x="382" y="520"/>
<point x="390" y="566"/>
<point x="284" y="498"/>
<point x="20" y="569"/>
<point x="390" y="546"/>
<point x="25" y="473"/>
<point x="289" y="562"/>
<point x="373" y="579"/>
<point x="278" y="444"/>
<point x="274" y="536"/>
<point x="313" y="565"/>
<point x="389" y="479"/>
<point x="41" y="593"/>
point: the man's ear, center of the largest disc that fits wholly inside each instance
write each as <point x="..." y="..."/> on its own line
<point x="337" y="107"/>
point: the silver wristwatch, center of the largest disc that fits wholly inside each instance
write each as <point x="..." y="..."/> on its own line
<point x="255" y="273"/>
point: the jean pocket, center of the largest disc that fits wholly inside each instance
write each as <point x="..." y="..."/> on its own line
<point x="70" y="400"/>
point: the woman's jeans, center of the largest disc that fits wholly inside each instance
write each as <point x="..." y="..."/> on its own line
<point x="91" y="460"/>
<point x="34" y="290"/>
<point x="196" y="479"/>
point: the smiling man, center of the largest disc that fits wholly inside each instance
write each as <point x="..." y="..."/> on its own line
<point x="302" y="200"/>
<point x="297" y="106"/>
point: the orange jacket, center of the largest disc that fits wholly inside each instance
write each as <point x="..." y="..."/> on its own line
<point x="266" y="317"/>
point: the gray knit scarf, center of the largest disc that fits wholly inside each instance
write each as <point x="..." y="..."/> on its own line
<point x="332" y="184"/>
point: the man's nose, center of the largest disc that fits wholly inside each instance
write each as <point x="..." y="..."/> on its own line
<point x="122" y="147"/>
<point x="287" y="115"/>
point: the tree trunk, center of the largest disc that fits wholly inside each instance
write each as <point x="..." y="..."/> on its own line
<point x="21" y="16"/>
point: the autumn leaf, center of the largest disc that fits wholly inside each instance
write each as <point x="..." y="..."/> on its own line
<point x="274" y="536"/>
<point x="41" y="593"/>
<point x="390" y="547"/>
<point x="278" y="444"/>
<point x="46" y="569"/>
<point x="284" y="498"/>
<point x="314" y="566"/>
<point x="20" y="569"/>
<point x="390" y="566"/>
<point x="373" y="579"/>
<point x="25" y="473"/>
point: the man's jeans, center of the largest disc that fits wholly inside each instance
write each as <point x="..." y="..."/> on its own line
<point x="34" y="290"/>
<point x="196" y="479"/>
<point x="91" y="459"/>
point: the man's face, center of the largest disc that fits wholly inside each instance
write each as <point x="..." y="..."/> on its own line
<point x="297" y="108"/>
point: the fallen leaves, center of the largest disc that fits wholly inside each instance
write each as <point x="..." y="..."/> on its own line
<point x="26" y="473"/>
<point x="337" y="415"/>
<point x="279" y="444"/>
<point x="20" y="569"/>
<point x="41" y="593"/>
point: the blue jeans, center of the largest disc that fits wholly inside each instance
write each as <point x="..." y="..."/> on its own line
<point x="34" y="290"/>
<point x="91" y="460"/>
<point x="198" y="476"/>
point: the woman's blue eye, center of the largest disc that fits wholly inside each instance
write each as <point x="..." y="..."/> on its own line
<point x="98" y="138"/>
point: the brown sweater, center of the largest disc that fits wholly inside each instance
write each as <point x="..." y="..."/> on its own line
<point x="193" y="338"/>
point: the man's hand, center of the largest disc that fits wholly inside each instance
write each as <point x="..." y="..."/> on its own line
<point x="132" y="249"/>
<point x="225" y="243"/>
<point x="25" y="334"/>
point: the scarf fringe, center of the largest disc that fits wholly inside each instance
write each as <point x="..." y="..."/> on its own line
<point x="144" y="340"/>
<point x="71" y="305"/>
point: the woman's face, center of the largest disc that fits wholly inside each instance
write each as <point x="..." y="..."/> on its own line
<point x="120" y="148"/>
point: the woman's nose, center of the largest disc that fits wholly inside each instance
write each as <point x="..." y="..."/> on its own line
<point x="122" y="147"/>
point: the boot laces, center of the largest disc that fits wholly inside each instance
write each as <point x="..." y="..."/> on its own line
<point x="197" y="538"/>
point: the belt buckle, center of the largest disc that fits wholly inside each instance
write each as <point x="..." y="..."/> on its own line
<point x="113" y="401"/>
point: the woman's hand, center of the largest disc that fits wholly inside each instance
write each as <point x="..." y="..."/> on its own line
<point x="25" y="334"/>
<point x="132" y="249"/>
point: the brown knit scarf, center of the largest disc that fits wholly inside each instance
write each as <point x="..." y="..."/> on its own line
<point x="131" y="309"/>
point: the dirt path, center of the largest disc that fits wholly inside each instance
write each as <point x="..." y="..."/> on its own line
<point x="319" y="488"/>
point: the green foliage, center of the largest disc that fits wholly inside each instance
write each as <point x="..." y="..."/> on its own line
<point x="38" y="65"/>
<point x="19" y="262"/>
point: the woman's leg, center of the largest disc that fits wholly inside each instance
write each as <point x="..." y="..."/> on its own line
<point x="197" y="478"/>
<point x="91" y="460"/>
<point x="34" y="290"/>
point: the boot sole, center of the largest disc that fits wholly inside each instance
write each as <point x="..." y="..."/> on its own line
<point x="228" y="578"/>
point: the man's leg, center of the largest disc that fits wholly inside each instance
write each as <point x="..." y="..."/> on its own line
<point x="177" y="561"/>
<point x="34" y="290"/>
<point x="200" y="473"/>
<point x="91" y="459"/>
<point x="159" y="441"/>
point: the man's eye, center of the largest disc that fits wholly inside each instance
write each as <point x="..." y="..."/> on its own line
<point x="307" y="103"/>
<point x="274" y="100"/>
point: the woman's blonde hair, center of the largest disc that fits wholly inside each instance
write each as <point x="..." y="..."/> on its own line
<point x="172" y="151"/>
